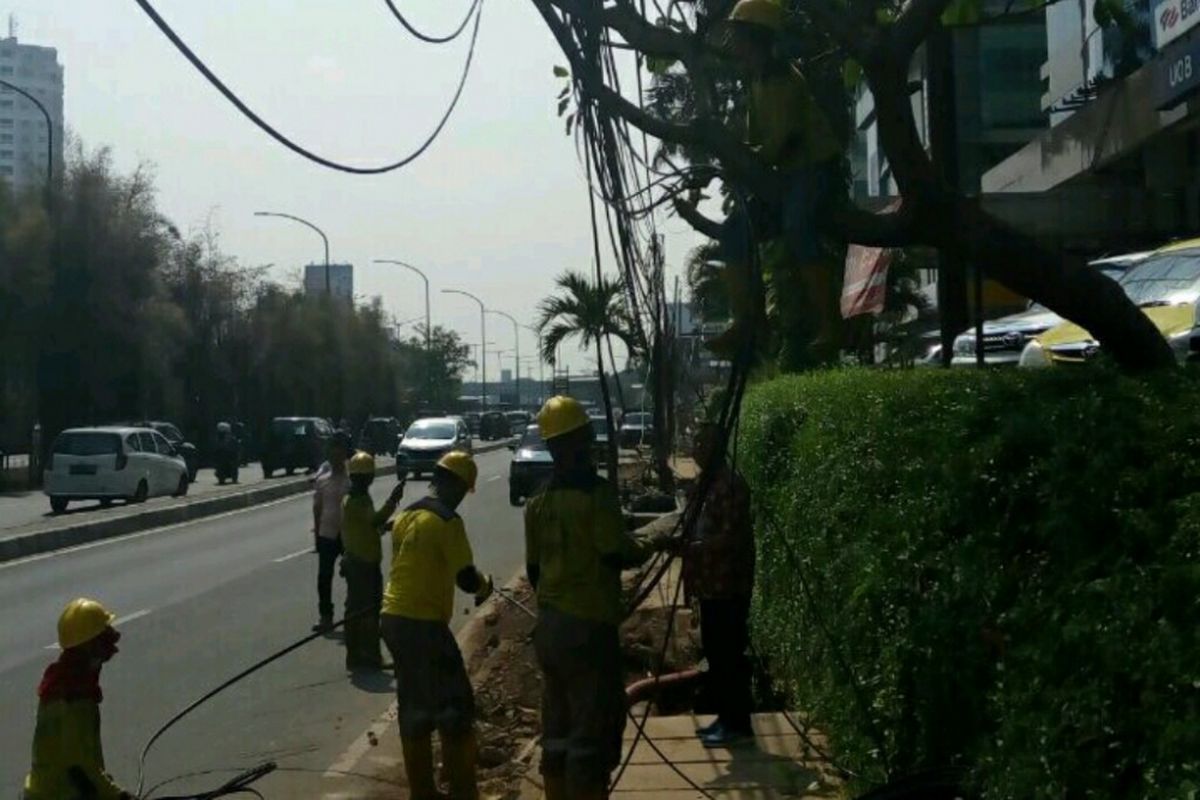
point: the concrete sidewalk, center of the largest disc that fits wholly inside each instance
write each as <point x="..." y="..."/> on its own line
<point x="777" y="764"/>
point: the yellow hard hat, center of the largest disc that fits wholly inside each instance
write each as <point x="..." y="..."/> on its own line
<point x="81" y="621"/>
<point x="361" y="463"/>
<point x="764" y="13"/>
<point x="461" y="464"/>
<point x="561" y="414"/>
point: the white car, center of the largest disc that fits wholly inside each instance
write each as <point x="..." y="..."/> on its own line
<point x="111" y="463"/>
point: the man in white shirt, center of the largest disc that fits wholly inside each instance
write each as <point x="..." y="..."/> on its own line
<point x="328" y="491"/>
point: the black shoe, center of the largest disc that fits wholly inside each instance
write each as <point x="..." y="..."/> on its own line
<point x="324" y="625"/>
<point x="711" y="727"/>
<point x="723" y="736"/>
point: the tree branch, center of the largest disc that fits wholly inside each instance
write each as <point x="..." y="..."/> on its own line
<point x="862" y="227"/>
<point x="916" y="21"/>
<point x="687" y="211"/>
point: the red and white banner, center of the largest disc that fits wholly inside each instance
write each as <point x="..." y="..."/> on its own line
<point x="865" y="282"/>
<point x="1172" y="19"/>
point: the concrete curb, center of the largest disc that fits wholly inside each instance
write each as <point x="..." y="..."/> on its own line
<point x="73" y="535"/>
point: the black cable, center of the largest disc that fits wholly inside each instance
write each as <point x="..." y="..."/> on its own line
<point x="266" y="127"/>
<point x="425" y="37"/>
<point x="235" y="679"/>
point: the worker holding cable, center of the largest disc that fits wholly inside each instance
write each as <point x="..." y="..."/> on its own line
<point x="430" y="556"/>
<point x="575" y="548"/>
<point x="718" y="570"/>
<point x="361" y="559"/>
<point x="68" y="761"/>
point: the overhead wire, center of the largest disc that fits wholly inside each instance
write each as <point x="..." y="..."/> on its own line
<point x="426" y="37"/>
<point x="284" y="140"/>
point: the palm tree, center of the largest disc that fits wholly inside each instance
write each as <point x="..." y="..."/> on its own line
<point x="591" y="312"/>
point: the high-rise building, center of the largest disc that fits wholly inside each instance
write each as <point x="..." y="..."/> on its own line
<point x="24" y="138"/>
<point x="341" y="280"/>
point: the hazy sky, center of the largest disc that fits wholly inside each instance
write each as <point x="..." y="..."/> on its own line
<point x="497" y="206"/>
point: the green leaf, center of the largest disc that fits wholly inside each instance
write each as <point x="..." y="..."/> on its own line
<point x="562" y="105"/>
<point x="962" y="12"/>
<point x="852" y="74"/>
<point x="566" y="90"/>
<point x="570" y="122"/>
<point x="561" y="72"/>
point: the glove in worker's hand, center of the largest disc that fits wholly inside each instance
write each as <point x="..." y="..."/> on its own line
<point x="397" y="491"/>
<point x="486" y="590"/>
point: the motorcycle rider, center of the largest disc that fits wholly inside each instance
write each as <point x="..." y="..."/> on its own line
<point x="226" y="455"/>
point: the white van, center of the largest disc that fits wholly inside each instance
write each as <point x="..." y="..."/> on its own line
<point x="110" y="463"/>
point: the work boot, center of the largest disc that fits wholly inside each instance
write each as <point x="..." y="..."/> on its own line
<point x="418" y="765"/>
<point x="555" y="786"/>
<point x="459" y="754"/>
<point x="593" y="792"/>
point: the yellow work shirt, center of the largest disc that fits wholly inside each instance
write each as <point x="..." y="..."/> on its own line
<point x="575" y="535"/>
<point x="785" y="124"/>
<point x="429" y="548"/>
<point x="360" y="527"/>
<point x="68" y="736"/>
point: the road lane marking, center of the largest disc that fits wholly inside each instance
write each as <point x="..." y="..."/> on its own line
<point x="118" y="622"/>
<point x="129" y="537"/>
<point x="494" y="478"/>
<point x="290" y="556"/>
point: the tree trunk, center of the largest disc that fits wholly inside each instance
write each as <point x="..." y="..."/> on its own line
<point x="945" y="218"/>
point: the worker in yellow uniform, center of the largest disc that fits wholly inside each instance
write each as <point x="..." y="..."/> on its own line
<point x="68" y="761"/>
<point x="361" y="559"/>
<point x="575" y="548"/>
<point x="787" y="128"/>
<point x="430" y="556"/>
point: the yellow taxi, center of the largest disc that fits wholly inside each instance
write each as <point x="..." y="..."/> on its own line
<point x="1166" y="287"/>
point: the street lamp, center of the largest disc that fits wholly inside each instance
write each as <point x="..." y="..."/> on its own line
<point x="541" y="361"/>
<point x="425" y="278"/>
<point x="517" y="356"/>
<point x="49" y="132"/>
<point x="482" y="338"/>
<point x="324" y="238"/>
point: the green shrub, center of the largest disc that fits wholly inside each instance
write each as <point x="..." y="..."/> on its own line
<point x="996" y="570"/>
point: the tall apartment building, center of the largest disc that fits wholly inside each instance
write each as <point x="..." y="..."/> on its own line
<point x="23" y="134"/>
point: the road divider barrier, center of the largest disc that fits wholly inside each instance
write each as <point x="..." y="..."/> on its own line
<point x="61" y="537"/>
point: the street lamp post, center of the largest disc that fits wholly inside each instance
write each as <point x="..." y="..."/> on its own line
<point x="321" y="233"/>
<point x="49" y="133"/>
<point x="425" y="278"/>
<point x="482" y="338"/>
<point x="541" y="360"/>
<point x="517" y="356"/>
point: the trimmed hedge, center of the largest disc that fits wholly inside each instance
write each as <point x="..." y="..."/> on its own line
<point x="997" y="570"/>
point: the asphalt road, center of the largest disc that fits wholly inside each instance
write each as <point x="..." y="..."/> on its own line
<point x="199" y="603"/>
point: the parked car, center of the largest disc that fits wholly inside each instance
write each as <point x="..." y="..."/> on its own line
<point x="519" y="420"/>
<point x="427" y="440"/>
<point x="1005" y="338"/>
<point x="294" y="443"/>
<point x="379" y="435"/>
<point x="189" y="451"/>
<point x="472" y="418"/>
<point x="1165" y="286"/>
<point x="494" y="425"/>
<point x="110" y="463"/>
<point x="637" y="428"/>
<point x="531" y="466"/>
